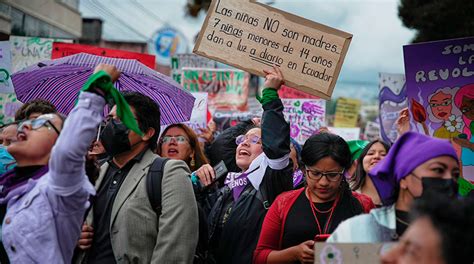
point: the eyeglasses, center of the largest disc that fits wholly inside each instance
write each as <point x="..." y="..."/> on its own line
<point x="317" y="175"/>
<point x="254" y="139"/>
<point x="444" y="103"/>
<point x="37" y="124"/>
<point x="178" y="139"/>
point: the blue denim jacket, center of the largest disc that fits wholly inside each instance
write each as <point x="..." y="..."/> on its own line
<point x="44" y="217"/>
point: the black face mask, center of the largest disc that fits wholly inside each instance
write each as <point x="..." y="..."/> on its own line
<point x="444" y="187"/>
<point x="114" y="137"/>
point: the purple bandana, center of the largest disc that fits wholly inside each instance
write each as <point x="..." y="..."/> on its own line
<point x="8" y="181"/>
<point x="236" y="182"/>
<point x="297" y="177"/>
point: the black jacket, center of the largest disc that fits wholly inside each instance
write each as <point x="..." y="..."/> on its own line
<point x="234" y="227"/>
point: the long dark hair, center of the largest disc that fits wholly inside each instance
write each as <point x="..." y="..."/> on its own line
<point x="325" y="145"/>
<point x="358" y="179"/>
<point x="199" y="157"/>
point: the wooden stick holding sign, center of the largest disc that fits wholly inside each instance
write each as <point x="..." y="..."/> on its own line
<point x="252" y="36"/>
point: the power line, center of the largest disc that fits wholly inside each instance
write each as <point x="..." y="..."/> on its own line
<point x="146" y="11"/>
<point x="122" y="22"/>
<point x="103" y="15"/>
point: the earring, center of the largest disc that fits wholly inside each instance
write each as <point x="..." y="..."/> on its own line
<point x="192" y="163"/>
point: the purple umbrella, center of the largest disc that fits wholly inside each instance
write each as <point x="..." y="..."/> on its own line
<point x="60" y="80"/>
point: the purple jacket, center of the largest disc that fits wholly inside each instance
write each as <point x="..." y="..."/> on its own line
<point x="44" y="217"/>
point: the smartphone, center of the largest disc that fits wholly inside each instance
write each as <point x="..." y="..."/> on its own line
<point x="321" y="237"/>
<point x="220" y="171"/>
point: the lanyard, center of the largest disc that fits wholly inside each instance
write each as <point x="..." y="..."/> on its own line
<point x="314" y="210"/>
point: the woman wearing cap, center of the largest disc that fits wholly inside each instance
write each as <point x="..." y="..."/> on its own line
<point x="297" y="217"/>
<point x="415" y="165"/>
<point x="370" y="156"/>
<point x="265" y="171"/>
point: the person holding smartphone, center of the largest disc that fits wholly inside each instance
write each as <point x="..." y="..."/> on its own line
<point x="299" y="218"/>
<point x="263" y="158"/>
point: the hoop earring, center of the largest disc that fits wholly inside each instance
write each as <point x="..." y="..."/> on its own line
<point x="193" y="162"/>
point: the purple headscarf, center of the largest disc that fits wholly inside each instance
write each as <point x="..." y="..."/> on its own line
<point x="409" y="151"/>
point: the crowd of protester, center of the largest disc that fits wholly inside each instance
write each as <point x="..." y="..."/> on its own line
<point x="80" y="189"/>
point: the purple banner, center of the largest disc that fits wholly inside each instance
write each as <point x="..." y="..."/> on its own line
<point x="440" y="89"/>
<point x="392" y="99"/>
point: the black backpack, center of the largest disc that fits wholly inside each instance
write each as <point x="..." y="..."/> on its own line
<point x="153" y="189"/>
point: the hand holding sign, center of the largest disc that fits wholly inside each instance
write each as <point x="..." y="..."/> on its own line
<point x="273" y="78"/>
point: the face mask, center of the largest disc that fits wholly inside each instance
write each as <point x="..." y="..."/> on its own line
<point x="114" y="138"/>
<point x="7" y="162"/>
<point x="444" y="187"/>
<point x="102" y="156"/>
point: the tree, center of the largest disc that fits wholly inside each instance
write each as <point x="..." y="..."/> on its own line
<point x="195" y="6"/>
<point x="438" y="19"/>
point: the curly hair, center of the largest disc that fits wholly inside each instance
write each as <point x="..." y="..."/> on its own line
<point x="41" y="106"/>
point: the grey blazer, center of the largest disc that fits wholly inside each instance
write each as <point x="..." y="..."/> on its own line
<point x="137" y="236"/>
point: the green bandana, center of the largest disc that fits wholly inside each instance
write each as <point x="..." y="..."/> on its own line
<point x="268" y="95"/>
<point x="103" y="81"/>
<point x="465" y="187"/>
<point x="356" y="147"/>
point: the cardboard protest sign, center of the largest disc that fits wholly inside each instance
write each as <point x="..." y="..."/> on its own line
<point x="6" y="85"/>
<point x="372" y="131"/>
<point x="288" y="92"/>
<point x="9" y="104"/>
<point x="252" y="36"/>
<point x="66" y="49"/>
<point x="27" y="51"/>
<point x="306" y="116"/>
<point x="227" y="89"/>
<point x="440" y="90"/>
<point x="188" y="60"/>
<point x="392" y="99"/>
<point x="199" y="115"/>
<point x="347" y="112"/>
<point x="354" y="253"/>
<point x="347" y="133"/>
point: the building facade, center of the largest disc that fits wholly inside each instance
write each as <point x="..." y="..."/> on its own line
<point x="47" y="18"/>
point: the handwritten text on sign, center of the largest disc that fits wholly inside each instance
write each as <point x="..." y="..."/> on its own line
<point x="253" y="36"/>
<point x="306" y="116"/>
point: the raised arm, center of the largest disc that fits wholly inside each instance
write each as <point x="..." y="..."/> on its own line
<point x="275" y="129"/>
<point x="66" y="165"/>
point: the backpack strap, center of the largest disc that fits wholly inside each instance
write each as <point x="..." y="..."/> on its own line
<point x="263" y="197"/>
<point x="154" y="179"/>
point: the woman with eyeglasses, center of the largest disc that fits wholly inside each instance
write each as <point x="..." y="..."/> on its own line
<point x="262" y="155"/>
<point x="414" y="166"/>
<point x="178" y="141"/>
<point x="299" y="218"/>
<point x="43" y="200"/>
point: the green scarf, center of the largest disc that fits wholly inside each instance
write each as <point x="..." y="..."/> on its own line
<point x="268" y="95"/>
<point x="103" y="81"/>
<point x="465" y="187"/>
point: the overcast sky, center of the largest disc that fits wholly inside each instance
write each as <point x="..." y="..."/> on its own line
<point x="378" y="33"/>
